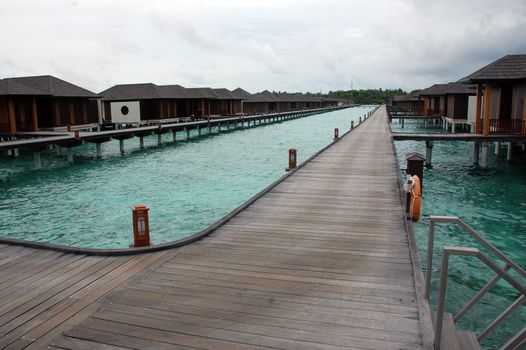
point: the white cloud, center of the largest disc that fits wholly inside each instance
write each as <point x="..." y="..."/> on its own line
<point x="276" y="44"/>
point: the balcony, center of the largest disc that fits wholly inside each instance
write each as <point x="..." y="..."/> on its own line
<point x="507" y="127"/>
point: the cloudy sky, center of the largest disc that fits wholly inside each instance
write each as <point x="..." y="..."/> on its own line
<point x="282" y="45"/>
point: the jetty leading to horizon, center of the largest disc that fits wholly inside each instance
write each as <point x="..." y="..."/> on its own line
<point x="321" y="261"/>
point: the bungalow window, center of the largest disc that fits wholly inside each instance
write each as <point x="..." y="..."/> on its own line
<point x="272" y="106"/>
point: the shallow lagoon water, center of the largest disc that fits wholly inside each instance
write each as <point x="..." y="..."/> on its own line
<point x="492" y="201"/>
<point x="188" y="185"/>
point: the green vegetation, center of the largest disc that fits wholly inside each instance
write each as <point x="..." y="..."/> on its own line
<point x="369" y="96"/>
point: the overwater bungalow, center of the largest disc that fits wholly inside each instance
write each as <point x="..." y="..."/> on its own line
<point x="434" y="100"/>
<point x="500" y="99"/>
<point x="410" y="102"/>
<point x="261" y="102"/>
<point x="460" y="104"/>
<point x="268" y="102"/>
<point x="136" y="103"/>
<point x="44" y="102"/>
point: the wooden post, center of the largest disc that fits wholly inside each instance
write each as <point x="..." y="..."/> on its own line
<point x="56" y="112"/>
<point x="85" y="111"/>
<point x="429" y="152"/>
<point x="426" y="106"/>
<point x="209" y="107"/>
<point x="202" y="108"/>
<point x="141" y="225"/>
<point x="71" y="113"/>
<point x="292" y="158"/>
<point x="478" y="126"/>
<point x="487" y="109"/>
<point x="34" y="114"/>
<point x="11" y="111"/>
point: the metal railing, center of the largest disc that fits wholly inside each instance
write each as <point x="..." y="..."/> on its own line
<point x="516" y="341"/>
<point x="507" y="127"/>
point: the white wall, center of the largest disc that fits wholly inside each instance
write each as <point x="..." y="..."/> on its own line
<point x="134" y="112"/>
<point x="472" y="108"/>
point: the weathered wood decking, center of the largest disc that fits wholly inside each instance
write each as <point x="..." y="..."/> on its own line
<point x="322" y="261"/>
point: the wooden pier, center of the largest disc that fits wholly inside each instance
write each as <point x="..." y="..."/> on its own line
<point x="321" y="261"/>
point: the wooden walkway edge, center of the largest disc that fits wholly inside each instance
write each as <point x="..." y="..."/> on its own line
<point x="322" y="261"/>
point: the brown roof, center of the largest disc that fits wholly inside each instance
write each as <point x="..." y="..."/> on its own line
<point x="448" y="89"/>
<point x="53" y="86"/>
<point x="433" y="90"/>
<point x="241" y="94"/>
<point x="9" y="87"/>
<point x="264" y="96"/>
<point x="203" y="92"/>
<point x="409" y="97"/>
<point x="173" y="91"/>
<point x="225" y="94"/>
<point x="132" y="92"/>
<point x="510" y="67"/>
<point x="460" y="89"/>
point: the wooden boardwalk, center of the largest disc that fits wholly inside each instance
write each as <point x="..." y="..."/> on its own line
<point x="322" y="261"/>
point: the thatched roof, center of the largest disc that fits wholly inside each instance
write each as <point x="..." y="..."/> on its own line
<point x="52" y="86"/>
<point x="510" y="67"/>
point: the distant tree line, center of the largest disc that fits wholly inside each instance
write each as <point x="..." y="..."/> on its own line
<point x="368" y="96"/>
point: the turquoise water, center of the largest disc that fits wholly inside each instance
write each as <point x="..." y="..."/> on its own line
<point x="188" y="185"/>
<point x="493" y="202"/>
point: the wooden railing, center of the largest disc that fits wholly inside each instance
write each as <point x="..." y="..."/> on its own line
<point x="507" y="127"/>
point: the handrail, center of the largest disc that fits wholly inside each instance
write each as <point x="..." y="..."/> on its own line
<point x="501" y="272"/>
<point x="519" y="338"/>
<point x="433" y="220"/>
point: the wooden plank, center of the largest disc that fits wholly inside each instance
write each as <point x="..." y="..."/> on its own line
<point x="106" y="340"/>
<point x="86" y="298"/>
<point x="82" y="344"/>
<point x="322" y="261"/>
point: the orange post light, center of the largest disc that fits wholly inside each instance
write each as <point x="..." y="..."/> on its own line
<point x="292" y="158"/>
<point x="141" y="226"/>
<point x="336" y="134"/>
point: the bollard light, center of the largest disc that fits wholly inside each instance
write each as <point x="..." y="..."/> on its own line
<point x="352" y="124"/>
<point x="336" y="134"/>
<point x="77" y="135"/>
<point x="360" y="120"/>
<point x="292" y="158"/>
<point x="141" y="225"/>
